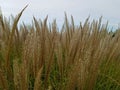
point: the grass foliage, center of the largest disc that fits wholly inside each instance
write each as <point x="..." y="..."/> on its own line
<point x="38" y="57"/>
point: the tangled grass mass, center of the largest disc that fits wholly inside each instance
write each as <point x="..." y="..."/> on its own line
<point x="41" y="57"/>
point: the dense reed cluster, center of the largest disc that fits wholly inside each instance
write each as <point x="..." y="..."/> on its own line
<point x="41" y="57"/>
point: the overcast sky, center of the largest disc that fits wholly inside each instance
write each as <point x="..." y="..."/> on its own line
<point x="80" y="9"/>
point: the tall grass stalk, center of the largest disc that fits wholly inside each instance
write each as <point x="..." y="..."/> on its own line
<point x="41" y="57"/>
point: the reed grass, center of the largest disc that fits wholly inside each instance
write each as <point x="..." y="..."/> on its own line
<point x="41" y="57"/>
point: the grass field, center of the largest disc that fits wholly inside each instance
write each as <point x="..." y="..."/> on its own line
<point x="41" y="57"/>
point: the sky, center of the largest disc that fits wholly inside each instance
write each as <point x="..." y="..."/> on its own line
<point x="79" y="9"/>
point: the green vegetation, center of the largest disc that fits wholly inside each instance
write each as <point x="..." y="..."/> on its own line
<point x="38" y="57"/>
